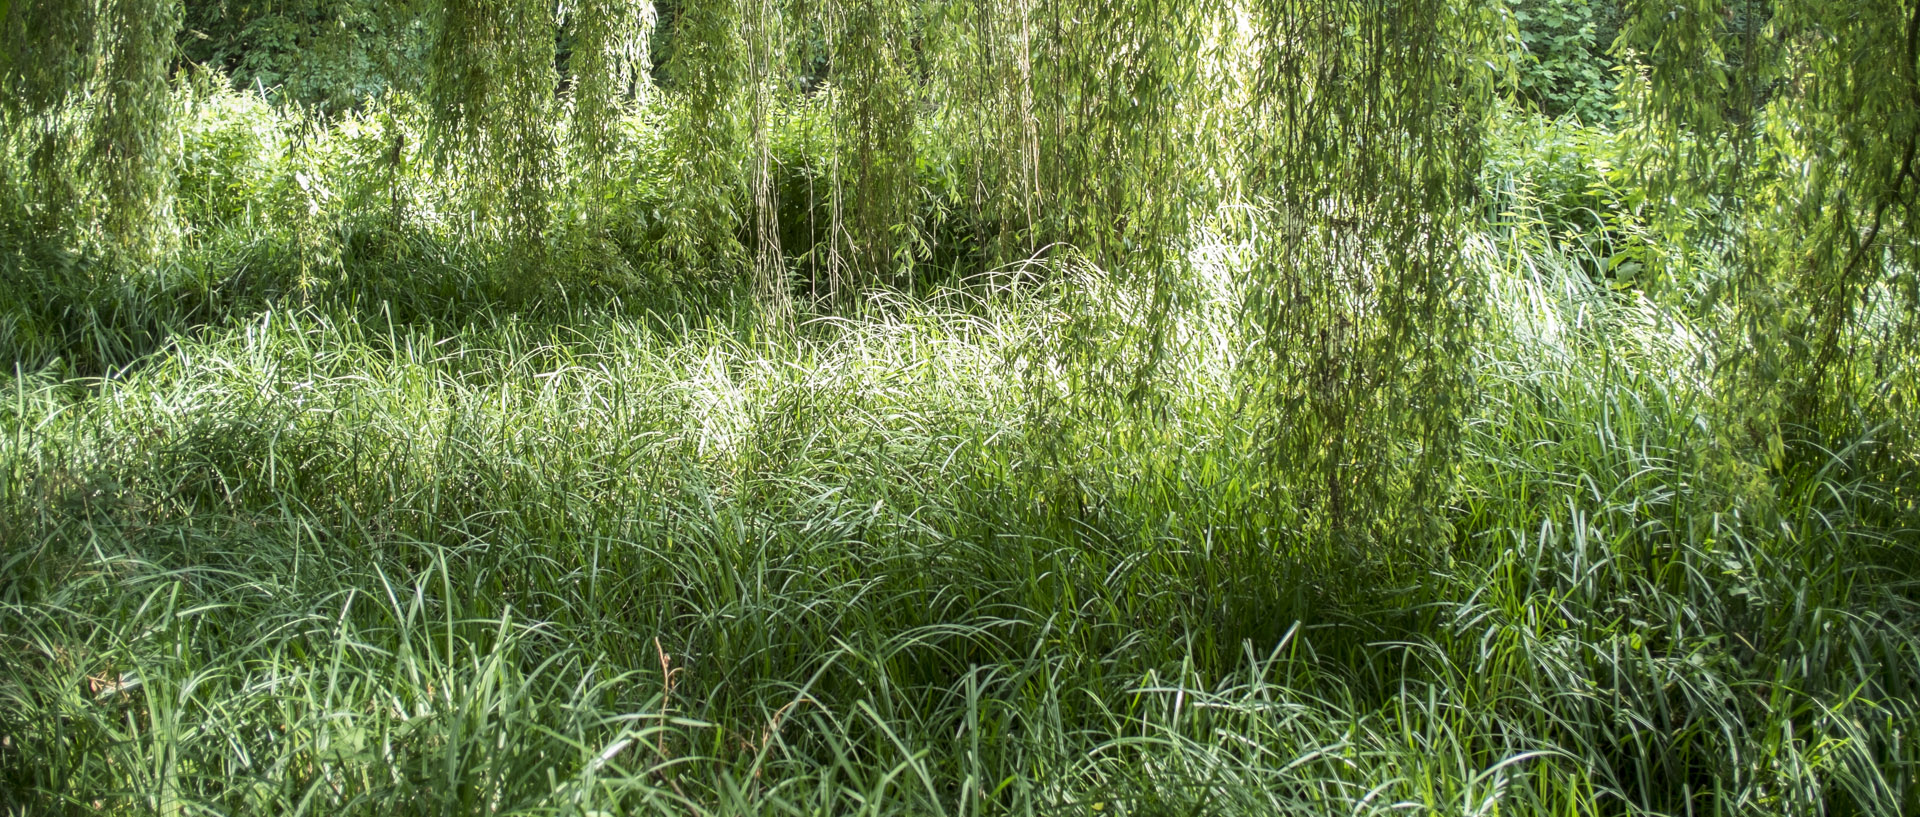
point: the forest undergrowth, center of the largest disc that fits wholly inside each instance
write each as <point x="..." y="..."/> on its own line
<point x="351" y="502"/>
<point x="604" y="561"/>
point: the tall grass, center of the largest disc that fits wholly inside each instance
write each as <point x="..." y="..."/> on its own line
<point x="339" y="509"/>
<point x="353" y="554"/>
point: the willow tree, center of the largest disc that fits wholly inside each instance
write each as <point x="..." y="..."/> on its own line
<point x="609" y="66"/>
<point x="873" y="235"/>
<point x="492" y="92"/>
<point x="1115" y="80"/>
<point x="707" y="65"/>
<point x="1105" y="130"/>
<point x="766" y="74"/>
<point x="1792" y="127"/>
<point x="43" y="68"/>
<point x="131" y="140"/>
<point x="1368" y="115"/>
<point x="89" y="77"/>
<point x="992" y="98"/>
<point x="494" y="95"/>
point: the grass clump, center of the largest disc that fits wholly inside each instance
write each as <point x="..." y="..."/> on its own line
<point x="592" y="559"/>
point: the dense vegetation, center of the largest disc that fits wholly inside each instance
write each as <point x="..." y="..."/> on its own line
<point x="927" y="407"/>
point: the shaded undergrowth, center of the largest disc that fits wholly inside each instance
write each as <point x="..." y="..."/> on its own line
<point x="582" y="559"/>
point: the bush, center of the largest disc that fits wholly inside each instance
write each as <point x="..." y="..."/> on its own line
<point x="1561" y="178"/>
<point x="327" y="54"/>
<point x="1562" y="65"/>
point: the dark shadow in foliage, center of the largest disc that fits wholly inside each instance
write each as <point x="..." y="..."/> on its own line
<point x="89" y="317"/>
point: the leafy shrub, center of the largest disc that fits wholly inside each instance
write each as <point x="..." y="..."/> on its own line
<point x="1562" y="65"/>
<point x="232" y="147"/>
<point x="328" y="54"/>
<point x="1560" y="176"/>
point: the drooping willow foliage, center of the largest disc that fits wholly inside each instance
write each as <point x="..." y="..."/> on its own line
<point x="1115" y="77"/>
<point x="874" y="109"/>
<point x="89" y="77"/>
<point x="708" y="69"/>
<point x="1337" y="138"/>
<point x="1791" y="128"/>
<point x="766" y="52"/>
<point x="1097" y="130"/>
<point x="492" y="87"/>
<point x="1370" y="115"/>
<point x="1122" y="113"/>
<point x="131" y="144"/>
<point x="610" y="62"/>
<point x="47" y="46"/>
<point x="992" y="99"/>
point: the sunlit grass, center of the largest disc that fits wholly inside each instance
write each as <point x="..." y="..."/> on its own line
<point x="320" y="560"/>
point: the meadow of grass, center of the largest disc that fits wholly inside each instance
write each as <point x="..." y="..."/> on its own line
<point x="387" y="548"/>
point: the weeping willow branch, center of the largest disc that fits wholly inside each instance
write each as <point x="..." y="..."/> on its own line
<point x="875" y="119"/>
<point x="49" y="49"/>
<point x="1371" y="114"/>
<point x="46" y="67"/>
<point x="708" y="70"/>
<point x="131" y="142"/>
<point x="764" y="76"/>
<point x="91" y="78"/>
<point x="610" y="63"/>
<point x="1782" y="137"/>
<point x="1000" y="130"/>
<point x="492" y="90"/>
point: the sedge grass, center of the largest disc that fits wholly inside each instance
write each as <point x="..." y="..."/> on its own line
<point x="325" y="560"/>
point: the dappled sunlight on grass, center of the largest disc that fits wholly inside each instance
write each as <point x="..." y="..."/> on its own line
<point x="641" y="564"/>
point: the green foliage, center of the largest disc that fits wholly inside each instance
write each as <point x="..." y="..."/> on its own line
<point x="89" y="82"/>
<point x="872" y="237"/>
<point x="328" y="55"/>
<point x="767" y="73"/>
<point x="49" y="50"/>
<point x="1222" y="407"/>
<point x="706" y="66"/>
<point x="492" y="91"/>
<point x="1363" y="309"/>
<point x="609" y="63"/>
<point x="132" y="140"/>
<point x="1782" y="135"/>
<point x="1568" y="179"/>
<point x="994" y="126"/>
<point x="1562" y="66"/>
<point x="1560" y="167"/>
